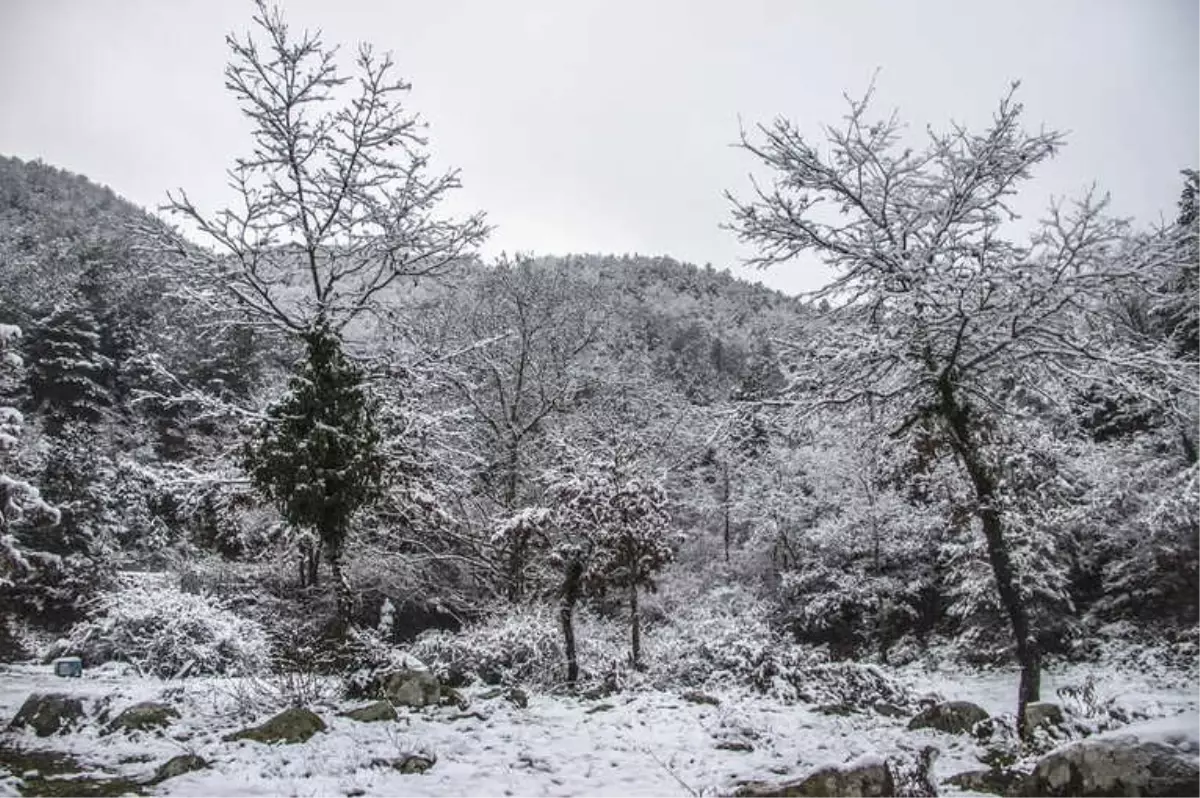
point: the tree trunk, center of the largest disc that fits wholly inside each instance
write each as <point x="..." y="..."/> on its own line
<point x="516" y="567"/>
<point x="310" y="561"/>
<point x="984" y="482"/>
<point x="341" y="587"/>
<point x="1189" y="445"/>
<point x="516" y="555"/>
<point x="725" y="507"/>
<point x="635" y="625"/>
<point x="566" y="616"/>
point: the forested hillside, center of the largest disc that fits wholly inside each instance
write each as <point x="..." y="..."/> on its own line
<point x="309" y="450"/>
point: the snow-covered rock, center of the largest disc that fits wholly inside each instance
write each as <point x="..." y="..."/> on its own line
<point x="371" y="713"/>
<point x="952" y="717"/>
<point x="143" y="716"/>
<point x="412" y="688"/>
<point x="48" y="713"/>
<point x="1160" y="757"/>
<point x="294" y="725"/>
<point x="866" y="776"/>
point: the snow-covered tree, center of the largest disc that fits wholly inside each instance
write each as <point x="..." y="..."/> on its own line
<point x="524" y="332"/>
<point x="317" y="456"/>
<point x="624" y="522"/>
<point x="335" y="204"/>
<point x="934" y="314"/>
<point x="67" y="374"/>
<point x="20" y="501"/>
<point x="335" y="201"/>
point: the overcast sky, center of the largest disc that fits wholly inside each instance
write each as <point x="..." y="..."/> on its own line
<point x="606" y="125"/>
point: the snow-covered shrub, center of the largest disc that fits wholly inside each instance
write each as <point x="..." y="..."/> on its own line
<point x="721" y="638"/>
<point x="856" y="684"/>
<point x="168" y="633"/>
<point x="368" y="659"/>
<point x="719" y="635"/>
<point x="841" y="606"/>
<point x="523" y="646"/>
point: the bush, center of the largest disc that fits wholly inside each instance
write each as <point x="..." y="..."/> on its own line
<point x="368" y="660"/>
<point x="524" y="646"/>
<point x="720" y="637"/>
<point x="165" y="632"/>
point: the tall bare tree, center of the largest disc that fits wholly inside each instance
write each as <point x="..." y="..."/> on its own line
<point x="335" y="201"/>
<point x="934" y="316"/>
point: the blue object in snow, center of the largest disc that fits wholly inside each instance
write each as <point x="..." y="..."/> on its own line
<point x="68" y="666"/>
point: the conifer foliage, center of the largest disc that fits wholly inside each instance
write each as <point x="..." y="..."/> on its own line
<point x="317" y="457"/>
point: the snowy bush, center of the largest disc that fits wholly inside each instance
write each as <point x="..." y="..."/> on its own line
<point x="168" y="633"/>
<point x="524" y="646"/>
<point x="369" y="658"/>
<point x="721" y="638"/>
<point x="847" y="609"/>
<point x="719" y="635"/>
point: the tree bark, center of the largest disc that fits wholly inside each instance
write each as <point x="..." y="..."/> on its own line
<point x="310" y="561"/>
<point x="635" y="625"/>
<point x="341" y="586"/>
<point x="516" y="555"/>
<point x="984" y="480"/>
<point x="566" y="616"/>
<point x="725" y="507"/>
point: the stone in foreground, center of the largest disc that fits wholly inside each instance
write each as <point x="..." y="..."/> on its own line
<point x="1118" y="765"/>
<point x="865" y="776"/>
<point x="952" y="717"/>
<point x="412" y="688"/>
<point x="996" y="781"/>
<point x="293" y="725"/>
<point x="48" y="713"/>
<point x="178" y="766"/>
<point x="373" y="713"/>
<point x="144" y="716"/>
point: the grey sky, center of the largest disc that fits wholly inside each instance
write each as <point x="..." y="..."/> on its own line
<point x="605" y="125"/>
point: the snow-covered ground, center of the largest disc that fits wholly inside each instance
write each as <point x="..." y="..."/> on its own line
<point x="638" y="743"/>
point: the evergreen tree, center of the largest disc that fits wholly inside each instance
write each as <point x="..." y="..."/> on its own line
<point x="67" y="373"/>
<point x="317" y="458"/>
<point x="21" y="503"/>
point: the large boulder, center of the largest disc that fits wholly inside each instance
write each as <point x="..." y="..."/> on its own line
<point x="998" y="781"/>
<point x="372" y="713"/>
<point x="143" y="717"/>
<point x="1153" y="758"/>
<point x="412" y="688"/>
<point x="48" y="713"/>
<point x="177" y="766"/>
<point x="865" y="776"/>
<point x="952" y="717"/>
<point x="294" y="725"/>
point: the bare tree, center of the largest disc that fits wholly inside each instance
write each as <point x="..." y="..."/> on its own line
<point x="934" y="317"/>
<point x="539" y="324"/>
<point x="335" y="201"/>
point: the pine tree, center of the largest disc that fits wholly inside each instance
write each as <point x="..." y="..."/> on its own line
<point x="67" y="373"/>
<point x="21" y="503"/>
<point x="317" y="458"/>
